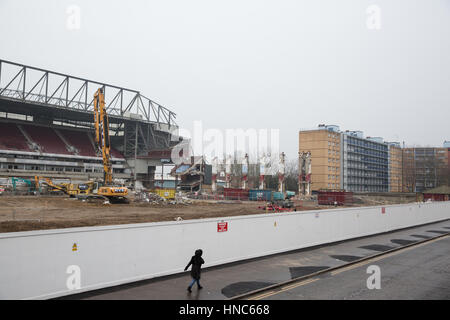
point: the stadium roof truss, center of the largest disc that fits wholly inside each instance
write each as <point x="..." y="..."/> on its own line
<point x="39" y="86"/>
<point x="144" y="123"/>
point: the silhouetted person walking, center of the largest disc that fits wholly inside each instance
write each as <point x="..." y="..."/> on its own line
<point x="196" y="262"/>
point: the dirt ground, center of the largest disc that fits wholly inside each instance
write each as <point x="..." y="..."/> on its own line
<point x="23" y="213"/>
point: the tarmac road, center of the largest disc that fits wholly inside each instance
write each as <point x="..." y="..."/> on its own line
<point x="418" y="272"/>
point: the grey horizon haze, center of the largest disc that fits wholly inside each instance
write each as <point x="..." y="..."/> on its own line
<point x="232" y="64"/>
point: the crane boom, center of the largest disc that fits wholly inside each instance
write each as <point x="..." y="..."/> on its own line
<point x="102" y="138"/>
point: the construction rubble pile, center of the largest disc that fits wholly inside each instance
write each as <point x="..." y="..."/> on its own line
<point x="153" y="198"/>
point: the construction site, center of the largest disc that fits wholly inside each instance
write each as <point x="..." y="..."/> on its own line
<point x="76" y="152"/>
<point x="207" y="152"/>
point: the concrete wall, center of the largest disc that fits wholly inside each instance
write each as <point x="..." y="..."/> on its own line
<point x="34" y="264"/>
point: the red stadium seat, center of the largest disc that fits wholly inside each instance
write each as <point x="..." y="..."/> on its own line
<point x="11" y="138"/>
<point x="47" y="138"/>
<point x="79" y="140"/>
<point x="116" y="154"/>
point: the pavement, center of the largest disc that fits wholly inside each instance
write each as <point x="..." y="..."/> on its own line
<point x="421" y="272"/>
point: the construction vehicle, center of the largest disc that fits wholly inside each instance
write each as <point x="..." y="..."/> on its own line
<point x="81" y="190"/>
<point x="106" y="189"/>
<point x="31" y="185"/>
<point x="280" y="202"/>
<point x="53" y="188"/>
<point x="287" y="201"/>
<point x="72" y="189"/>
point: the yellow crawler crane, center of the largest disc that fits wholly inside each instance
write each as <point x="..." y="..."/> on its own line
<point x="115" y="194"/>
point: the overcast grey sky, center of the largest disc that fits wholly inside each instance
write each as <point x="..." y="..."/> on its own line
<point x="255" y="64"/>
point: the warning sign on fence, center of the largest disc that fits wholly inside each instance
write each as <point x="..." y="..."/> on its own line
<point x="222" y="226"/>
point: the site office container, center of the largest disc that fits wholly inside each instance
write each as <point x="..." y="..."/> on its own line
<point x="435" y="197"/>
<point x="290" y="194"/>
<point x="277" y="196"/>
<point x="334" y="197"/>
<point x="164" y="193"/>
<point x="235" y="194"/>
<point x="260" y="195"/>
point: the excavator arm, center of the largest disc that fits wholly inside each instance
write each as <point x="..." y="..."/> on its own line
<point x="102" y="138"/>
<point x="50" y="183"/>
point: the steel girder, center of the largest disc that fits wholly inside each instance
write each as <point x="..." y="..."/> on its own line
<point x="37" y="86"/>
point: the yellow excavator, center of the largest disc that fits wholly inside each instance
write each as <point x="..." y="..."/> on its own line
<point x="107" y="189"/>
<point x="71" y="189"/>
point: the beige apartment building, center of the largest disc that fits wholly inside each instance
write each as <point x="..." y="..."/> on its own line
<point x="325" y="147"/>
<point x="346" y="160"/>
<point x="395" y="168"/>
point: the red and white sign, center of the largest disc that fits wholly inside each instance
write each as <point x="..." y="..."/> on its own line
<point x="222" y="226"/>
<point x="383" y="210"/>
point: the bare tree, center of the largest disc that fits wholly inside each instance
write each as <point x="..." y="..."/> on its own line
<point x="408" y="171"/>
<point x="291" y="177"/>
<point x="424" y="168"/>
